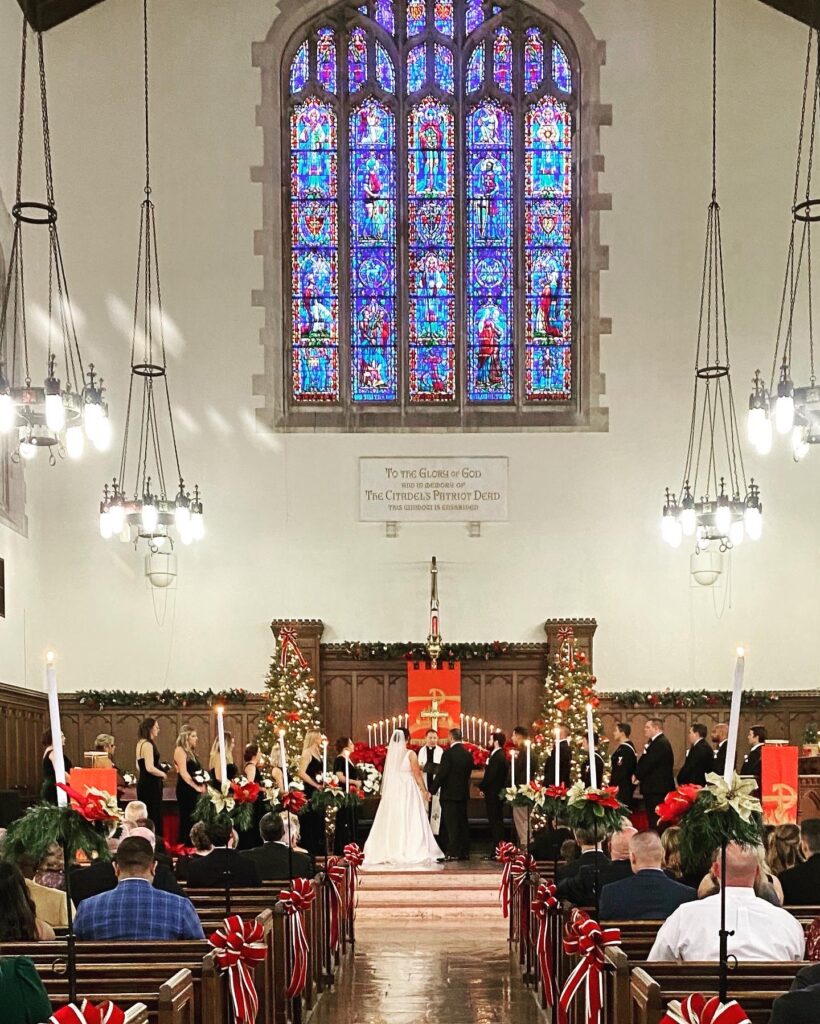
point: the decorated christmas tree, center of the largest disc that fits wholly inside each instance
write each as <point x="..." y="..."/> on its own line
<point x="291" y="702"/>
<point x="569" y="687"/>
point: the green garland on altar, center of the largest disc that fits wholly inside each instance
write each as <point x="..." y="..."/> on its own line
<point x="688" y="698"/>
<point x="418" y="652"/>
<point x="172" y="699"/>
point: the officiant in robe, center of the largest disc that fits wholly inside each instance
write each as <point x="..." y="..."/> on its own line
<point x="430" y="762"/>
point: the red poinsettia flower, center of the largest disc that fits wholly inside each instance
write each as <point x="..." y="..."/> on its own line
<point x="677" y="803"/>
<point x="246" y="793"/>
<point x="93" y="805"/>
<point x="558" y="792"/>
<point x="294" y="801"/>
<point x="607" y="797"/>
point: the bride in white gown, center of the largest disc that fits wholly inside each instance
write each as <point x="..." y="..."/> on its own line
<point x="401" y="833"/>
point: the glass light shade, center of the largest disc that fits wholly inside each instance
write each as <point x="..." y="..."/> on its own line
<point x="105" y="525"/>
<point x="102" y="434"/>
<point x="8" y="414"/>
<point x="753" y="518"/>
<point x="784" y="414"/>
<point x="55" y="413"/>
<point x="688" y="521"/>
<point x="754" y="421"/>
<point x="150" y="518"/>
<point x="74" y="442"/>
<point x="92" y="414"/>
<point x="28" y="451"/>
<point x="736" y="532"/>
<point x="800" y="446"/>
<point x="116" y="514"/>
<point x="125" y="533"/>
<point x="671" y="531"/>
<point x="723" y="519"/>
<point x="182" y="518"/>
<point x="763" y="439"/>
<point x="197" y="526"/>
<point x="186" y="535"/>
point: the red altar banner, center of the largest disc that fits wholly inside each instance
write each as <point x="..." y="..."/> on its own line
<point x="95" y="778"/>
<point x="433" y="698"/>
<point x="778" y="786"/>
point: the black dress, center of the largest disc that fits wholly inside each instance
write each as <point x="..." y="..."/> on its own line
<point x="149" y="789"/>
<point x="48" y="790"/>
<point x="187" y="797"/>
<point x="233" y="771"/>
<point x="346" y="818"/>
<point x="312" y="823"/>
<point x="250" y="838"/>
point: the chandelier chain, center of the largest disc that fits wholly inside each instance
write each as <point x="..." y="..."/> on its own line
<point x="145" y="95"/>
<point x="714" y="101"/>
<point x="22" y="113"/>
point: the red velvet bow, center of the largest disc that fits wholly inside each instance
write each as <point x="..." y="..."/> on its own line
<point x="239" y="947"/>
<point x="90" y="805"/>
<point x="295" y="902"/>
<point x="336" y="872"/>
<point x="87" y="1013"/>
<point x="245" y="793"/>
<point x="287" y="642"/>
<point x="505" y="853"/>
<point x="677" y="803"/>
<point x="545" y="905"/>
<point x="294" y="800"/>
<point x="586" y="937"/>
<point x="607" y="797"/>
<point x="697" y="1009"/>
<point x="354" y="858"/>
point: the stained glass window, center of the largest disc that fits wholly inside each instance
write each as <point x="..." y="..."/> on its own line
<point x="391" y="308"/>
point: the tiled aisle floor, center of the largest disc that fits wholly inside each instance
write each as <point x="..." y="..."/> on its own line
<point x="429" y="973"/>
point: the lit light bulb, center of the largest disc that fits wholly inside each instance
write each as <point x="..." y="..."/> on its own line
<point x="103" y="434"/>
<point x="784" y="414"/>
<point x="763" y="440"/>
<point x="150" y="518"/>
<point x="754" y="424"/>
<point x="197" y="526"/>
<point x="182" y="518"/>
<point x="92" y="415"/>
<point x="736" y="532"/>
<point x="8" y="414"/>
<point x="125" y="534"/>
<point x="753" y="518"/>
<point x="688" y="521"/>
<point x="28" y="451"/>
<point x="723" y="519"/>
<point x="55" y="413"/>
<point x="74" y="442"/>
<point x="800" y="446"/>
<point x="105" y="525"/>
<point x="116" y="514"/>
<point x="671" y="531"/>
<point x="186" y="536"/>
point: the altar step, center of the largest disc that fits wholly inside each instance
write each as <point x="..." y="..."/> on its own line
<point x="454" y="893"/>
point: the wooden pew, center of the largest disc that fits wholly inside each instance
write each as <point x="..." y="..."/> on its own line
<point x="136" y="1014"/>
<point x="167" y="1000"/>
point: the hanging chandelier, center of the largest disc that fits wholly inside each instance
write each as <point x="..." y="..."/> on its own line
<point x="150" y="511"/>
<point x="794" y="410"/>
<point x="716" y="505"/>
<point x="45" y="411"/>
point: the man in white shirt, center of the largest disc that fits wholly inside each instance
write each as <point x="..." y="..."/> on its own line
<point x="760" y="930"/>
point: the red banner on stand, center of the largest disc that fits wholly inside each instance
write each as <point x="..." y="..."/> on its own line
<point x="778" y="785"/>
<point x="433" y="698"/>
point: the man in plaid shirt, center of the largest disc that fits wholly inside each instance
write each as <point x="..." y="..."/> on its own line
<point x="135" y="909"/>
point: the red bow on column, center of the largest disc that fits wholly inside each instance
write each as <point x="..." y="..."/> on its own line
<point x="354" y="858"/>
<point x="544" y="906"/>
<point x="697" y="1009"/>
<point x="87" y="1013"/>
<point x="505" y="853"/>
<point x="336" y="873"/>
<point x="295" y="902"/>
<point x="239" y="947"/>
<point x="566" y="639"/>
<point x="287" y="642"/>
<point x="587" y="937"/>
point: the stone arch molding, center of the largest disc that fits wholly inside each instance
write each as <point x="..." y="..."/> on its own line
<point x="590" y="413"/>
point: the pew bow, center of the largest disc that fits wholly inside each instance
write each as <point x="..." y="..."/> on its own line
<point x="354" y="858"/>
<point x="544" y="906"/>
<point x="697" y="1009"/>
<point x="88" y="1013"/>
<point x="336" y="872"/>
<point x="238" y="947"/>
<point x="295" y="902"/>
<point x="505" y="853"/>
<point x="585" y="937"/>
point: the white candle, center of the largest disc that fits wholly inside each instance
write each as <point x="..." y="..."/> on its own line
<point x="461" y="722"/>
<point x="56" y="729"/>
<point x="528" y="744"/>
<point x="381" y="733"/>
<point x="223" y="761"/>
<point x="347" y="774"/>
<point x="406" y="720"/>
<point x="473" y="720"/>
<point x="734" y="717"/>
<point x="593" y="768"/>
<point x="370" y="735"/>
<point x="512" y="767"/>
<point x="283" y="759"/>
<point x="324" y="756"/>
<point x="556" y="755"/>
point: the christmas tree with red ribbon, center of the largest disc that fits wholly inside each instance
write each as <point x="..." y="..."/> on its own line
<point x="569" y="687"/>
<point x="291" y="701"/>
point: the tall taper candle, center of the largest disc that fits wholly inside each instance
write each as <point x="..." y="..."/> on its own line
<point x="324" y="755"/>
<point x="370" y="735"/>
<point x="473" y="721"/>
<point x="283" y="759"/>
<point x="512" y="767"/>
<point x="461" y="722"/>
<point x="556" y="754"/>
<point x="593" y="768"/>
<point x="528" y="745"/>
<point x="220" y="734"/>
<point x="56" y="728"/>
<point x="734" y="717"/>
<point x="347" y="774"/>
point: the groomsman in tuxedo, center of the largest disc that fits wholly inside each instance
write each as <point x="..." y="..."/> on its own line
<point x="586" y="774"/>
<point x="492" y="786"/>
<point x="453" y="782"/>
<point x="429" y="762"/>
<point x="720" y="736"/>
<point x="564" y="761"/>
<point x="624" y="761"/>
<point x="700" y="758"/>
<point x="655" y="769"/>
<point x="753" y="761"/>
<point x="520" y="735"/>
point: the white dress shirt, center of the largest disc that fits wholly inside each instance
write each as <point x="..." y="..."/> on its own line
<point x="761" y="930"/>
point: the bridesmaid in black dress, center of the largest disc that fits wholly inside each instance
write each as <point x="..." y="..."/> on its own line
<point x="48" y="791"/>
<point x="188" y="789"/>
<point x="151" y="775"/>
<point x="249" y="838"/>
<point x="312" y="822"/>
<point x="346" y="772"/>
<point x="213" y="763"/>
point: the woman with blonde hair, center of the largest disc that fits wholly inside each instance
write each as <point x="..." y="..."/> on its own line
<point x="310" y="772"/>
<point x="214" y="765"/>
<point x="188" y="789"/>
<point x="784" y="848"/>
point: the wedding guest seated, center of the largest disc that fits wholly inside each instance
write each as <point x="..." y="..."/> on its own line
<point x="224" y="864"/>
<point x="758" y="930"/>
<point x="49" y="904"/>
<point x="272" y="858"/>
<point x="160" y="850"/>
<point x="18" y="916"/>
<point x="588" y="857"/>
<point x="22" y="993"/>
<point x="581" y="889"/>
<point x="766" y="886"/>
<point x="135" y="910"/>
<point x="51" y="869"/>
<point x="101" y="876"/>
<point x="783" y="848"/>
<point x="648" y="895"/>
<point x="801" y="884"/>
<point x="134" y="812"/>
<point x="547" y="843"/>
<point x="201" y="844"/>
<point x="672" y="863"/>
<point x="570" y="850"/>
<point x="799" y="1004"/>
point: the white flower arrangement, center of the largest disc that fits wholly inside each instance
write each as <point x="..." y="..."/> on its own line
<point x="371" y="777"/>
<point x="201" y="777"/>
<point x="129" y="778"/>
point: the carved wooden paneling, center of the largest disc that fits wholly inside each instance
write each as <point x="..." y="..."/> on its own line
<point x="23" y="717"/>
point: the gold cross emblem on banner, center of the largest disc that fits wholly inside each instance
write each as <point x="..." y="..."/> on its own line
<point x="434" y="712"/>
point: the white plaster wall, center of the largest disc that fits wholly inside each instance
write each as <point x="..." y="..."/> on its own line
<point x="283" y="537"/>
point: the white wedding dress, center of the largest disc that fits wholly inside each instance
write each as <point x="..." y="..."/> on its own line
<point x="401" y="835"/>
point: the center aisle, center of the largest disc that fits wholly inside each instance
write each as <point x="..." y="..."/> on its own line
<point x="429" y="973"/>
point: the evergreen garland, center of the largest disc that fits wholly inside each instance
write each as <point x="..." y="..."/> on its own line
<point x="43" y="825"/>
<point x="689" y="698"/>
<point x="173" y="699"/>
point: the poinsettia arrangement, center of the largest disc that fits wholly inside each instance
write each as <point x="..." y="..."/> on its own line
<point x="234" y="801"/>
<point x="83" y="824"/>
<point x="529" y="794"/>
<point x="598" y="811"/>
<point x="332" y="794"/>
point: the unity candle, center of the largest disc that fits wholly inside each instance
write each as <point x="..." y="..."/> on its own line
<point x="283" y="760"/>
<point x="734" y="717"/>
<point x="220" y="732"/>
<point x="56" y="728"/>
<point x="528" y="744"/>
<point x="593" y="768"/>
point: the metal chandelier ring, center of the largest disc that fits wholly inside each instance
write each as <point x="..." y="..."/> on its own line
<point x="148" y="369"/>
<point x="34" y="213"/>
<point x="713" y="372"/>
<point x="805" y="211"/>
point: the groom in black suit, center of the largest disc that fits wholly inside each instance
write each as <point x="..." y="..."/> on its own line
<point x="453" y="782"/>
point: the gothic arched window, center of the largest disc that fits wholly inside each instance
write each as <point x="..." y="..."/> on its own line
<point x="431" y="218"/>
